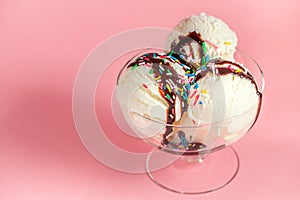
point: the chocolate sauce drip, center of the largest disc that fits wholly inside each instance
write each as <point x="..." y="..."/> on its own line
<point x="161" y="72"/>
<point x="187" y="40"/>
<point x="225" y="71"/>
<point x="168" y="77"/>
<point x="240" y="73"/>
<point x="169" y="94"/>
<point x="249" y="77"/>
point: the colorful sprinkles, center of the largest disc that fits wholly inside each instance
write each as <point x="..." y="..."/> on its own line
<point x="145" y="86"/>
<point x="183" y="87"/>
<point x="212" y="44"/>
<point x="134" y="67"/>
<point x="151" y="71"/>
<point x="181" y="135"/>
<point x="196" y="99"/>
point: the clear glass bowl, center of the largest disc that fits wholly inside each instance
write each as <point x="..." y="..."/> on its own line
<point x="193" y="142"/>
<point x="219" y="133"/>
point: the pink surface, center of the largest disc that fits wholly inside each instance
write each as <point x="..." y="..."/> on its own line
<point x="42" y="45"/>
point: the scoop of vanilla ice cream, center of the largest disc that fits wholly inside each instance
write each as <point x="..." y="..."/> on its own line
<point x="141" y="102"/>
<point x="230" y="99"/>
<point x="134" y="97"/>
<point x="226" y="107"/>
<point x="220" y="40"/>
<point x="228" y="96"/>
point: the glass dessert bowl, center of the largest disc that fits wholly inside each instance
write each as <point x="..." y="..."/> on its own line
<point x="190" y="113"/>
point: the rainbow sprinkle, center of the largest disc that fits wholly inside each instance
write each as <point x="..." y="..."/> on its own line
<point x="203" y="61"/>
<point x="185" y="96"/>
<point x="193" y="94"/>
<point x="204" y="47"/>
<point x="157" y="78"/>
<point x="207" y="58"/>
<point x="182" y="139"/>
<point x="171" y="100"/>
<point x="196" y="99"/>
<point x="212" y="44"/>
<point x="145" y="86"/>
<point x="160" y="67"/>
<point x="238" y="71"/>
<point x="190" y="74"/>
<point x="168" y="87"/>
<point x="134" y="67"/>
<point x="203" y="67"/>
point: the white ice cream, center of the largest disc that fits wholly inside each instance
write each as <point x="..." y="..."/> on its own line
<point x="229" y="99"/>
<point x="230" y="92"/>
<point x="228" y="103"/>
<point x="139" y="96"/>
<point x="221" y="41"/>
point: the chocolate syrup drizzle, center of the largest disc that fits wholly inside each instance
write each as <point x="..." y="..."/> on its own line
<point x="222" y="71"/>
<point x="194" y="36"/>
<point x="242" y="74"/>
<point x="187" y="40"/>
<point x="165" y="74"/>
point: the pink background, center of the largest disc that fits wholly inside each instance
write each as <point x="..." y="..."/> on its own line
<point x="42" y="45"/>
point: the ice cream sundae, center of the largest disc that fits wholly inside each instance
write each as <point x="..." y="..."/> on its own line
<point x="179" y="87"/>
